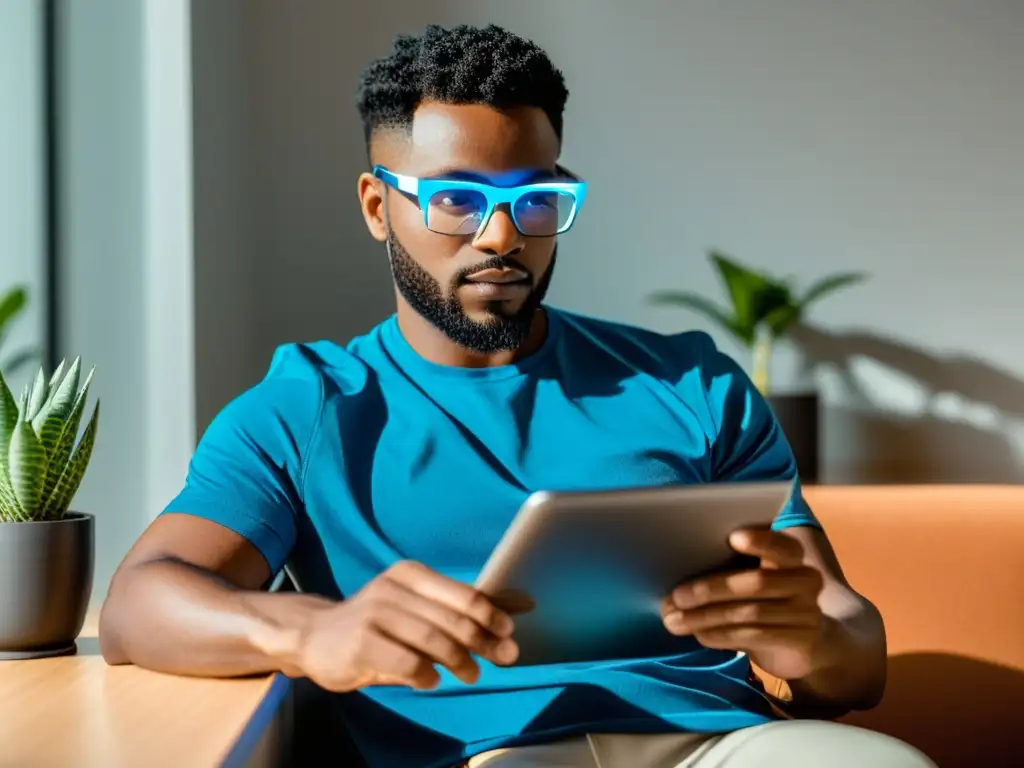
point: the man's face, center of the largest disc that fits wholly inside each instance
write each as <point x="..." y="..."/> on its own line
<point x="480" y="289"/>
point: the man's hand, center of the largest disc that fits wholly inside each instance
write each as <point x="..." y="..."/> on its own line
<point x="394" y="630"/>
<point x="771" y="612"/>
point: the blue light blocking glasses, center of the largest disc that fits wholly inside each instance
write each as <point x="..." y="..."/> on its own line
<point x="462" y="207"/>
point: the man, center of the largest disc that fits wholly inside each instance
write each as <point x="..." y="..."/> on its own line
<point x="385" y="471"/>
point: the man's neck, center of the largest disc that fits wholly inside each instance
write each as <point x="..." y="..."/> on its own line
<point x="431" y="344"/>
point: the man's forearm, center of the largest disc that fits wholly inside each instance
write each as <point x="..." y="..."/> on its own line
<point x="852" y="666"/>
<point x="172" y="617"/>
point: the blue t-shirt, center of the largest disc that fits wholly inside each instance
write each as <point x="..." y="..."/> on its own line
<point x="345" y="460"/>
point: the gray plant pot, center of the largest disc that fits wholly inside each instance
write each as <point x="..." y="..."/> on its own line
<point x="797" y="414"/>
<point x="46" y="573"/>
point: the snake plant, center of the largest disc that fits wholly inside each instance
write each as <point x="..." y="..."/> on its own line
<point x="763" y="308"/>
<point x="41" y="467"/>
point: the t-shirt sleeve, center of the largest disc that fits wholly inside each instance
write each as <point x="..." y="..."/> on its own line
<point x="749" y="444"/>
<point x="246" y="474"/>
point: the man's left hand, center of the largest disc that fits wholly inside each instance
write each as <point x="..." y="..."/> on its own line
<point x="771" y="613"/>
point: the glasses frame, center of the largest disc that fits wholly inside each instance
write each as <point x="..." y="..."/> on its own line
<point x="420" y="191"/>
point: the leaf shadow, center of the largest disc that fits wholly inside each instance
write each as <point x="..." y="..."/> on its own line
<point x="894" y="448"/>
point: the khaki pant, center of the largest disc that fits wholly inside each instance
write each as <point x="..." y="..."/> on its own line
<point x="782" y="744"/>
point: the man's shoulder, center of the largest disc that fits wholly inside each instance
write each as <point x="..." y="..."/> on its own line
<point x="316" y="364"/>
<point x="670" y="353"/>
<point x="302" y="377"/>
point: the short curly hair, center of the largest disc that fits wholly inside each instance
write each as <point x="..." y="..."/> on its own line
<point x="459" y="65"/>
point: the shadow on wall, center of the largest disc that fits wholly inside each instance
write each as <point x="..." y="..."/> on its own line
<point x="895" y="448"/>
<point x="961" y="712"/>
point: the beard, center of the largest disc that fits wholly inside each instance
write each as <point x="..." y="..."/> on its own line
<point x="501" y="331"/>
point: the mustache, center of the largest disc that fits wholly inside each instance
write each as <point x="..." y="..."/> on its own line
<point x="495" y="262"/>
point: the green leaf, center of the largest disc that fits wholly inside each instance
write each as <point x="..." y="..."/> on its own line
<point x="40" y="391"/>
<point x="26" y="462"/>
<point x="49" y="422"/>
<point x="748" y="291"/>
<point x="782" y="319"/>
<point x="58" y="372"/>
<point x="10" y="509"/>
<point x="67" y="486"/>
<point x="8" y="417"/>
<point x="61" y="452"/>
<point x="699" y="304"/>
<point x="829" y="285"/>
<point x="11" y="304"/>
<point x="23" y="404"/>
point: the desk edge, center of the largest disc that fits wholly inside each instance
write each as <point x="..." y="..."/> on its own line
<point x="258" y="723"/>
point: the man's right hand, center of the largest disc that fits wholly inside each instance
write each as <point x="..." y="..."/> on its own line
<point x="395" y="629"/>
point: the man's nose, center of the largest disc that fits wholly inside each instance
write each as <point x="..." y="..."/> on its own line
<point x="499" y="237"/>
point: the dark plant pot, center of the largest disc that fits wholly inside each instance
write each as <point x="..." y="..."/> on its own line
<point x="45" y="584"/>
<point x="798" y="416"/>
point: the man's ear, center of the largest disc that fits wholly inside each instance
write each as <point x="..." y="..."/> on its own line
<point x="371" y="203"/>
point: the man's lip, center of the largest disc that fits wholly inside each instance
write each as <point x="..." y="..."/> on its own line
<point x="499" y="276"/>
<point x="498" y="291"/>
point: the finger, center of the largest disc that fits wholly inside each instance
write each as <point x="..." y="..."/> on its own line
<point x="750" y="639"/>
<point x="668" y="605"/>
<point x="768" y="613"/>
<point x="760" y="584"/>
<point x="456" y="595"/>
<point x="393" y="663"/>
<point x="427" y="639"/>
<point x="778" y="549"/>
<point x="465" y="630"/>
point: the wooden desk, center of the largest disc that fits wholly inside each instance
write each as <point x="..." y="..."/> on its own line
<point x="77" y="711"/>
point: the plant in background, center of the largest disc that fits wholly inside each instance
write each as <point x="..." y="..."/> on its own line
<point x="763" y="308"/>
<point x="11" y="305"/>
<point x="40" y="465"/>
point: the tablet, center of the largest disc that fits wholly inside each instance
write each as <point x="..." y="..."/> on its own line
<point x="586" y="572"/>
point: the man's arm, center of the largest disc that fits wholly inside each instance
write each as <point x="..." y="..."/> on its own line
<point x="821" y="645"/>
<point x="850" y="668"/>
<point x="189" y="597"/>
<point x="187" y="600"/>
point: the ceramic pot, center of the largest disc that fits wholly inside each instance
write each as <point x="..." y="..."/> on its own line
<point x="46" y="571"/>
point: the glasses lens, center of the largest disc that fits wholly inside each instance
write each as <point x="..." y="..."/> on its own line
<point x="456" y="211"/>
<point x="544" y="213"/>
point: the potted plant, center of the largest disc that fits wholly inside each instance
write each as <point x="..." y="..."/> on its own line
<point x="46" y="552"/>
<point x="763" y="310"/>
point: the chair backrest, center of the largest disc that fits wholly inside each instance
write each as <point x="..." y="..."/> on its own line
<point x="945" y="566"/>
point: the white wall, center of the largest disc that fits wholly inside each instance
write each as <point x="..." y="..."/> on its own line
<point x="126" y="253"/>
<point x="169" y="312"/>
<point x="22" y="191"/>
<point x="227" y="309"/>
<point x="101" y="303"/>
<point x="803" y="137"/>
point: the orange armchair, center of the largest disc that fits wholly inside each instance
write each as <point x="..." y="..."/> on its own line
<point x="945" y="566"/>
